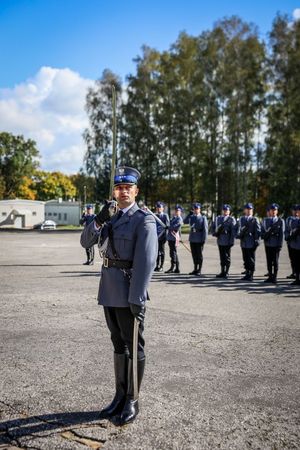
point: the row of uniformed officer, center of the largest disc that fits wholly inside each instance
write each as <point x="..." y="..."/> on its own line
<point x="248" y="230"/>
<point x="292" y="236"/>
<point x="87" y="218"/>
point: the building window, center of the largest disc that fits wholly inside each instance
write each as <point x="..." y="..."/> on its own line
<point x="55" y="214"/>
<point x="34" y="213"/>
<point x="4" y="214"/>
<point x="59" y="216"/>
<point x="65" y="216"/>
<point x="49" y="214"/>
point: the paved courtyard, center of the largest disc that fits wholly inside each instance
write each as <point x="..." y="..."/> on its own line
<point x="222" y="356"/>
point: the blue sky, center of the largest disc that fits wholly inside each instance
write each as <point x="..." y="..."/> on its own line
<point x="51" y="51"/>
<point x="90" y="35"/>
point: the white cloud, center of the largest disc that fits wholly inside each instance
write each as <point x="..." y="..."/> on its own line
<point x="296" y="14"/>
<point x="49" y="108"/>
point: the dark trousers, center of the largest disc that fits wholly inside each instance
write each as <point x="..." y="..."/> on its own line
<point x="197" y="253"/>
<point x="295" y="254"/>
<point x="161" y="253"/>
<point x="249" y="258"/>
<point x="90" y="253"/>
<point x="272" y="254"/>
<point x="173" y="252"/>
<point x="225" y="252"/>
<point x="120" y="322"/>
<point x="290" y="250"/>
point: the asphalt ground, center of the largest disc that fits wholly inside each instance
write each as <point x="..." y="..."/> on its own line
<point x="222" y="356"/>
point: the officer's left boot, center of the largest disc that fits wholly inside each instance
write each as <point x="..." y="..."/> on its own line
<point x="177" y="268"/>
<point x="157" y="264"/>
<point x="274" y="277"/>
<point x="121" y="373"/>
<point x="131" y="407"/>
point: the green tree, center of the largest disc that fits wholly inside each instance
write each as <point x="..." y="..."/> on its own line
<point x="18" y="159"/>
<point x="282" y="158"/>
<point x="53" y="185"/>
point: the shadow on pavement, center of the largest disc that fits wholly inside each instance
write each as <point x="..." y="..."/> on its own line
<point x="233" y="283"/>
<point x="12" y="430"/>
<point x="39" y="265"/>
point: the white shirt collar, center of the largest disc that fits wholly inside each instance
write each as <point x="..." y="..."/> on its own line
<point x="128" y="208"/>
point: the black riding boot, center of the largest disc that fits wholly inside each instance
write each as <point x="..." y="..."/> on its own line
<point x="131" y="407"/>
<point x="171" y="268"/>
<point x="121" y="372"/>
<point x="162" y="260"/>
<point x="195" y="271"/>
<point x="222" y="273"/>
<point x="177" y="268"/>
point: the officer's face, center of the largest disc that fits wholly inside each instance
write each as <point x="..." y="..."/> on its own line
<point x="177" y="212"/>
<point x="160" y="209"/>
<point x="125" y="194"/>
<point x="89" y="210"/>
<point x="226" y="212"/>
<point x="197" y="211"/>
<point x="273" y="212"/>
<point x="248" y="212"/>
<point x="297" y="213"/>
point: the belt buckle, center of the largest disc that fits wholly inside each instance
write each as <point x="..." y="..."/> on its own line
<point x="105" y="262"/>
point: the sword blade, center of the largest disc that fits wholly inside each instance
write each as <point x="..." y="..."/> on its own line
<point x="134" y="359"/>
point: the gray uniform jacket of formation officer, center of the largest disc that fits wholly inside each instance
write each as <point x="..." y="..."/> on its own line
<point x="174" y="227"/>
<point x="198" y="228"/>
<point x="135" y="240"/>
<point x="225" y="226"/>
<point x="248" y="232"/>
<point x="294" y="241"/>
<point x="272" y="231"/>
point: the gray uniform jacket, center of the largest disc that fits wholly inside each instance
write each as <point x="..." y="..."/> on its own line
<point x="248" y="232"/>
<point x="287" y="232"/>
<point x="198" y="228"/>
<point x="174" y="227"/>
<point x="224" y="228"/>
<point x="272" y="231"/>
<point x="135" y="240"/>
<point x="294" y="239"/>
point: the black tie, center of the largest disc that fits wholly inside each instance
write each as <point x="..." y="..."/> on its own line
<point x="119" y="215"/>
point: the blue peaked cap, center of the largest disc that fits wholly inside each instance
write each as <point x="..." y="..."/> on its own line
<point x="197" y="205"/>
<point x="225" y="207"/>
<point x="248" y="206"/>
<point x="126" y="175"/>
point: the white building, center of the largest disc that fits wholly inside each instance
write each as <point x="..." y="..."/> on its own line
<point x="21" y="213"/>
<point x="63" y="212"/>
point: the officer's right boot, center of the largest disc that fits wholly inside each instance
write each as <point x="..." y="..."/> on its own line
<point x="195" y="271"/>
<point x="177" y="268"/>
<point x="157" y="264"/>
<point x="247" y="276"/>
<point x="162" y="260"/>
<point x="121" y="373"/>
<point x="222" y="273"/>
<point x="171" y="270"/>
<point x="131" y="407"/>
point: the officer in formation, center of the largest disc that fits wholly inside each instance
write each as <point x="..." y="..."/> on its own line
<point x="128" y="242"/>
<point x="288" y="241"/>
<point x="272" y="232"/>
<point x="224" y="229"/>
<point x="161" y="234"/>
<point x="87" y="218"/>
<point x="173" y="238"/>
<point x="197" y="237"/>
<point x="293" y="239"/>
<point x="248" y="231"/>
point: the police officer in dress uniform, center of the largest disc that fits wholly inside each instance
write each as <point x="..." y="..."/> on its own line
<point x="197" y="236"/>
<point x="85" y="220"/>
<point x="294" y="241"/>
<point x="287" y="234"/>
<point x="272" y="232"/>
<point x="162" y="235"/>
<point x="224" y="229"/>
<point x="173" y="237"/>
<point x="249" y="234"/>
<point x="128" y="243"/>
